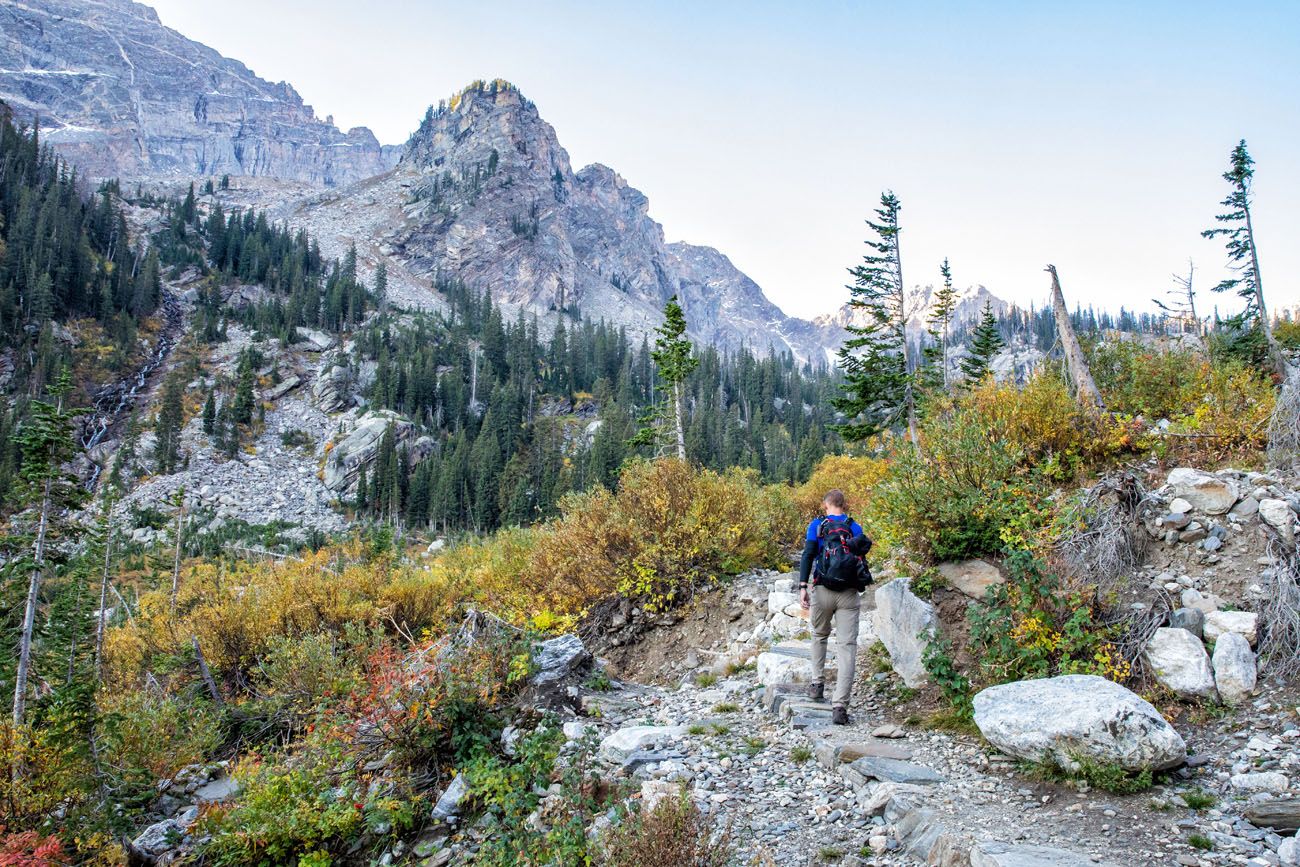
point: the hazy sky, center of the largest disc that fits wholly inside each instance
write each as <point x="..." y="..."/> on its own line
<point x="1086" y="134"/>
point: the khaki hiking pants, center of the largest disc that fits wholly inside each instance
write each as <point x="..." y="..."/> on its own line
<point x="842" y="607"/>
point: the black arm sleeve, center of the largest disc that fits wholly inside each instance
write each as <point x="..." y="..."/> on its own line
<point x="809" y="554"/>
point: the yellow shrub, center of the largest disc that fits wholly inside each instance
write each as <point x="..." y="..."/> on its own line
<point x="1230" y="418"/>
<point x="857" y="477"/>
<point x="669" y="528"/>
<point x="237" y="610"/>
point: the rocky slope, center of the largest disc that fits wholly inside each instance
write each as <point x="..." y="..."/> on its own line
<point x="123" y="96"/>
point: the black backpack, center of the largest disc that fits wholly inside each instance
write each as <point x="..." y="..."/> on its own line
<point x="840" y="566"/>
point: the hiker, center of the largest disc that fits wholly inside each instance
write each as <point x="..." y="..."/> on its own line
<point x="834" y="557"/>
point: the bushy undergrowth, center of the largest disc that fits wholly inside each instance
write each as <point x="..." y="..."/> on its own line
<point x="987" y="464"/>
<point x="1034" y="625"/>
<point x="1217" y="410"/>
<point x="668" y="529"/>
<point x="674" y="833"/>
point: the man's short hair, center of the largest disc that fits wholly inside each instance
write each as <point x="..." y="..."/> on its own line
<point x="835" y="498"/>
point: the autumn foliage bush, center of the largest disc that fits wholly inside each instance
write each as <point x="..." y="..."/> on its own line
<point x="669" y="528"/>
<point x="1216" y="410"/>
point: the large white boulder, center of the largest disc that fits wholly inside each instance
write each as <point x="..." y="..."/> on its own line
<point x="905" y="623"/>
<point x="1278" y="514"/>
<point x="1244" y="623"/>
<point x="1062" y="719"/>
<point x="1179" y="662"/>
<point x="972" y="577"/>
<point x="630" y="739"/>
<point x="1235" y="671"/>
<point x="1208" y="494"/>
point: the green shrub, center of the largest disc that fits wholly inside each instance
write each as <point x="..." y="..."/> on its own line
<point x="146" y="738"/>
<point x="949" y="500"/>
<point x="1098" y="775"/>
<point x="1034" y="626"/>
<point x="296" y="808"/>
<point x="955" y="687"/>
<point x="1200" y="841"/>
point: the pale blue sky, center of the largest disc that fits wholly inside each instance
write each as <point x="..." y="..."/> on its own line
<point x="1086" y="134"/>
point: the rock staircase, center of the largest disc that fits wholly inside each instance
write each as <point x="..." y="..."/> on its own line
<point x="876" y="763"/>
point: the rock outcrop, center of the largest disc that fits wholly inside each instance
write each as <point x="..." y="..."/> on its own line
<point x="905" y="623"/>
<point x="1235" y="670"/>
<point x="1212" y="495"/>
<point x="123" y="96"/>
<point x="359" y="448"/>
<point x="1063" y="719"/>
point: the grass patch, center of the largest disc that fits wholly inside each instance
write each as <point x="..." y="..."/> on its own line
<point x="697" y="729"/>
<point x="952" y="720"/>
<point x="1098" y="775"/>
<point x="708" y="678"/>
<point x="754" y="745"/>
<point x="735" y="668"/>
<point x="1200" y="841"/>
<point x="800" y="754"/>
<point x="1198" y="799"/>
<point x="726" y="707"/>
<point x="721" y="729"/>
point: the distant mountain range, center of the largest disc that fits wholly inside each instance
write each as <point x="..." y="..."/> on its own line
<point x="481" y="193"/>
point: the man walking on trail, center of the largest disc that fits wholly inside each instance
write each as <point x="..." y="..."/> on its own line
<point x="833" y="556"/>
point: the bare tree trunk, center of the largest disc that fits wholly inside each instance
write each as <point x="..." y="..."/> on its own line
<point x="1274" y="351"/>
<point x="1085" y="388"/>
<point x="205" y="673"/>
<point x="909" y="395"/>
<point x="681" y="427"/>
<point x="29" y="612"/>
<point x="176" y="560"/>
<point x="101" y="626"/>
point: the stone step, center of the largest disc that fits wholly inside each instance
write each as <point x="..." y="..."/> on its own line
<point x="792" y="708"/>
<point x="992" y="853"/>
<point x="832" y="755"/>
<point x="887" y="770"/>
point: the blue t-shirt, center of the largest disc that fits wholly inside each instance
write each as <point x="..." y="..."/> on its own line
<point x="817" y="523"/>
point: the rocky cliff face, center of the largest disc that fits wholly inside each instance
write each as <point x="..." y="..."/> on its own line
<point x="123" y="96"/>
<point x="489" y="197"/>
<point x="717" y="294"/>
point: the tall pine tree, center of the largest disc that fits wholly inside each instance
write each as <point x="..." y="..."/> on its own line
<point x="986" y="342"/>
<point x="879" y="388"/>
<point x="1252" y="324"/>
<point x="936" y="355"/>
<point x="674" y="362"/>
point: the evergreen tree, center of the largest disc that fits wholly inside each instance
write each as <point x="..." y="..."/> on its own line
<point x="674" y="362"/>
<point x="945" y="302"/>
<point x="986" y="343"/>
<point x="167" y="429"/>
<point x="1252" y="324"/>
<point x="243" y="408"/>
<point x="210" y="413"/>
<point x="879" y="385"/>
<point x="47" y="441"/>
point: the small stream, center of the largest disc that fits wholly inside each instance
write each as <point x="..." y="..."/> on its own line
<point x="114" y="401"/>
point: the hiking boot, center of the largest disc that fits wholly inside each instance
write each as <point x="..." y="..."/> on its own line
<point x="839" y="716"/>
<point x="817" y="692"/>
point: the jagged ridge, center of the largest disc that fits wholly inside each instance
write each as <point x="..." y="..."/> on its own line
<point x="123" y="96"/>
